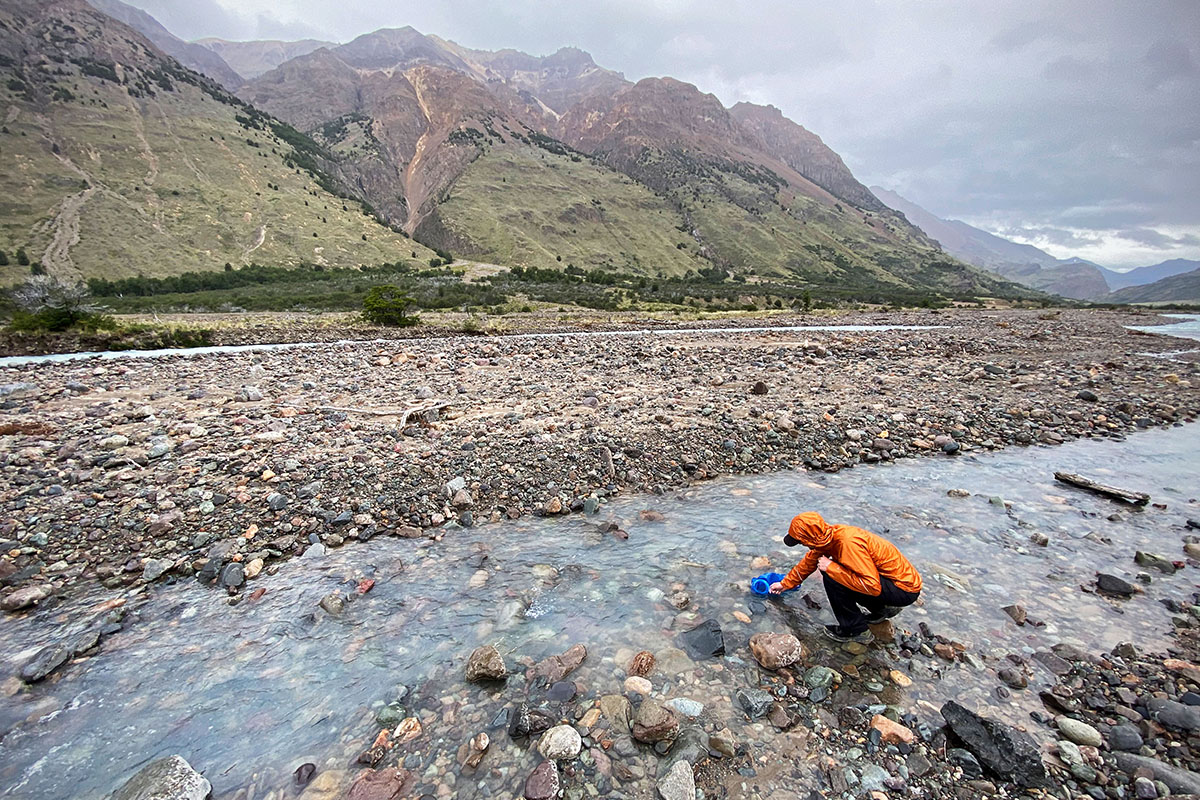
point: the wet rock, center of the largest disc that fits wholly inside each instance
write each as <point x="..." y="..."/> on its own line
<point x="890" y="731"/>
<point x="755" y="702"/>
<point x="155" y="568"/>
<point x="654" y="723"/>
<point x="642" y="664"/>
<point x="1079" y="732"/>
<point x="679" y="783"/>
<point x="477" y="749"/>
<point x="45" y="661"/>
<point x="775" y="650"/>
<point x="1177" y="779"/>
<point x="559" y="743"/>
<point x="1184" y="668"/>
<point x="1154" y="561"/>
<point x="1003" y="751"/>
<point x="706" y="640"/>
<point x="486" y="664"/>
<point x="543" y="783"/>
<point x="1173" y="714"/>
<point x="1111" y="584"/>
<point x="555" y="668"/>
<point x="25" y="597"/>
<point x="334" y="603"/>
<point x="304" y="773"/>
<point x="526" y="721"/>
<point x="1124" y="737"/>
<point x="686" y="706"/>
<point x="1016" y="613"/>
<point x="722" y="742"/>
<point x="1087" y="395"/>
<point x="170" y="778"/>
<point x="636" y="685"/>
<point x="232" y="575"/>
<point x="1013" y="678"/>
<point x="391" y="783"/>
<point x="618" y="711"/>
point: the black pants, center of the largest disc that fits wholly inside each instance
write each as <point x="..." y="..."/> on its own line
<point x="846" y="603"/>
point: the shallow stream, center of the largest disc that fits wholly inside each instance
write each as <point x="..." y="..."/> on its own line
<point x="249" y="692"/>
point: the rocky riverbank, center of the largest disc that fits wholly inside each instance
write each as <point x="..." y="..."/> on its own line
<point x="217" y="466"/>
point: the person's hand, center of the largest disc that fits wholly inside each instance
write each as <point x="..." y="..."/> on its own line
<point x="823" y="563"/>
<point x="776" y="588"/>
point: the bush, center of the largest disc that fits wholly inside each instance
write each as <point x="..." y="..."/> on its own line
<point x="389" y="305"/>
<point x="49" y="303"/>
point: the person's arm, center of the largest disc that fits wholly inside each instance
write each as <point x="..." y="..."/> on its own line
<point x="856" y="569"/>
<point x="801" y="571"/>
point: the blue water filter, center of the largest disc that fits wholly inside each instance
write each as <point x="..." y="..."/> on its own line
<point x="762" y="584"/>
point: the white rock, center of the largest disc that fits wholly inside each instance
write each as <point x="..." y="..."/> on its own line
<point x="560" y="742"/>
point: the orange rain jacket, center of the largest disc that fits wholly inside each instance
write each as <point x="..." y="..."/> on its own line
<point x="859" y="557"/>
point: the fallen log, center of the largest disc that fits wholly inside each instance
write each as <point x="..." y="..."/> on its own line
<point x="1112" y="492"/>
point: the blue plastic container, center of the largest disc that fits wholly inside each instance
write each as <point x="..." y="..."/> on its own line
<point x="762" y="584"/>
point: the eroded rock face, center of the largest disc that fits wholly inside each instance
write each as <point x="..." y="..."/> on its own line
<point x="775" y="650"/>
<point x="486" y="664"/>
<point x="1000" y="749"/>
<point x="170" y="778"/>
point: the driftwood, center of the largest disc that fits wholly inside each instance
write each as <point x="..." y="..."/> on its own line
<point x="1124" y="495"/>
<point x="403" y="414"/>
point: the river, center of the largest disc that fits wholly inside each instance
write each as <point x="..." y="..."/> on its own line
<point x="249" y="692"/>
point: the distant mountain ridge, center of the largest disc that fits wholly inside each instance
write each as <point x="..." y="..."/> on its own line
<point x="540" y="161"/>
<point x="253" y="58"/>
<point x="1178" y="288"/>
<point x="1146" y="275"/>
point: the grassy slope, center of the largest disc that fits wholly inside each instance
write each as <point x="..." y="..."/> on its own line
<point x="175" y="187"/>
<point x="526" y="207"/>
<point x="1184" y="288"/>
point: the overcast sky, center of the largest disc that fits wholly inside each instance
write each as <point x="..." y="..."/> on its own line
<point x="1074" y="126"/>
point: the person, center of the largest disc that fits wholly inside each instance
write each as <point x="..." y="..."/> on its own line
<point x="859" y="569"/>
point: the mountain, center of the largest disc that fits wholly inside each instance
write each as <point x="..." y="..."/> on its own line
<point x="1022" y="263"/>
<point x="1146" y="275"/>
<point x="125" y="163"/>
<point x="251" y="59"/>
<point x="549" y="161"/>
<point x="193" y="56"/>
<point x="1178" y="288"/>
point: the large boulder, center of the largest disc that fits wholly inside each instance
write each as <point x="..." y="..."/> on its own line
<point x="486" y="664"/>
<point x="170" y="778"/>
<point x="775" y="650"/>
<point x="1005" y="752"/>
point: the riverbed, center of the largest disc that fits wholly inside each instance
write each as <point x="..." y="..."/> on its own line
<point x="249" y="692"/>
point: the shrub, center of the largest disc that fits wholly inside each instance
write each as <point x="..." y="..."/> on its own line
<point x="389" y="305"/>
<point x="49" y="303"/>
<point x="22" y="257"/>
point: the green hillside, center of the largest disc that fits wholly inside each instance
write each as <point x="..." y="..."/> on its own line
<point x="527" y="207"/>
<point x="122" y="163"/>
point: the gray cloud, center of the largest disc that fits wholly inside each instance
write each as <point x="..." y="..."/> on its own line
<point x="1074" y="116"/>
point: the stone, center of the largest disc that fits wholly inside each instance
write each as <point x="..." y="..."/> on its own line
<point x="1124" y="737"/>
<point x="1079" y="732"/>
<point x="638" y="685"/>
<point x="555" y="668"/>
<point x="654" y="723"/>
<point x="1173" y="714"/>
<point x="333" y="603"/>
<point x="486" y="664"/>
<point x="1013" y="678"/>
<point x="755" y="702"/>
<point x="1111" y="584"/>
<point x="1184" y="668"/>
<point x="686" y="706"/>
<point x="155" y="568"/>
<point x="1003" y="751"/>
<point x="1087" y="395"/>
<point x="391" y="783"/>
<point x="232" y="575"/>
<point x="543" y="783"/>
<point x="890" y="731"/>
<point x="1154" y="561"/>
<point x="253" y="567"/>
<point x="642" y="664"/>
<point x="679" y="783"/>
<point x="706" y="640"/>
<point x="759" y="388"/>
<point x="170" y="778"/>
<point x="819" y="677"/>
<point x="560" y="742"/>
<point x="618" y="711"/>
<point x="25" y="597"/>
<point x="478" y="748"/>
<point x="1016" y="613"/>
<point x="1177" y="779"/>
<point x="775" y="650"/>
<point x="45" y="661"/>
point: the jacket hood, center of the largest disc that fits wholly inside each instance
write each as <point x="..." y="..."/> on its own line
<point x="811" y="529"/>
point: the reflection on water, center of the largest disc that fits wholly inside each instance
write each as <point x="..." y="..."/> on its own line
<point x="247" y="693"/>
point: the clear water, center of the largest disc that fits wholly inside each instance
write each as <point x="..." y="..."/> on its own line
<point x="17" y="361"/>
<point x="247" y="693"/>
<point x="1188" y="326"/>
